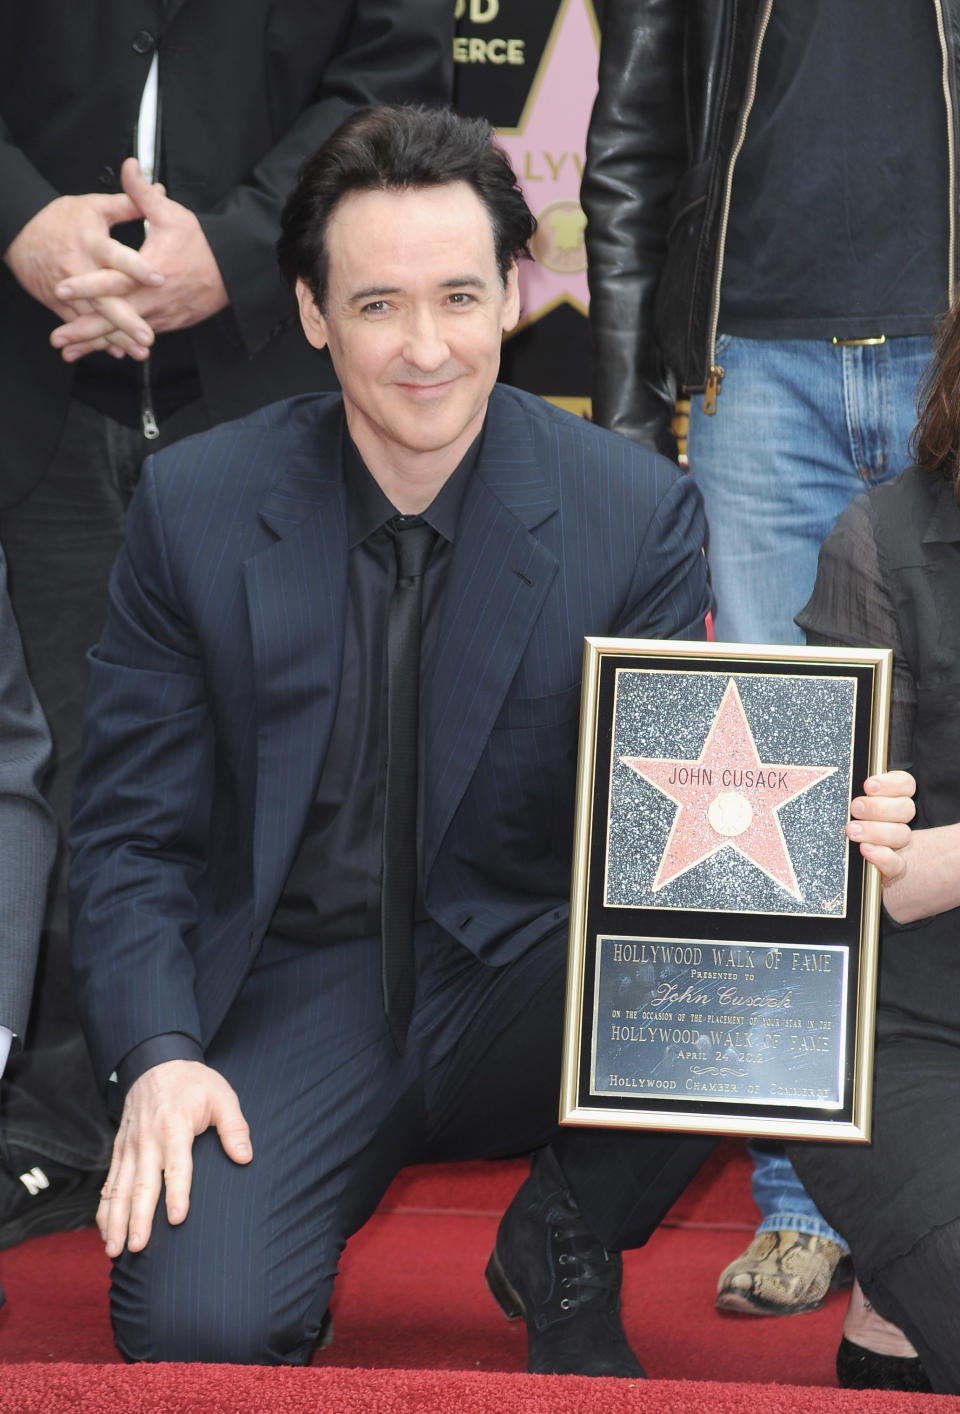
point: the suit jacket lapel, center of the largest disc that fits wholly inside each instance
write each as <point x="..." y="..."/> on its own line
<point x="296" y="596"/>
<point x="499" y="577"/>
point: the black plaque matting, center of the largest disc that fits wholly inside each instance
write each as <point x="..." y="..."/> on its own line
<point x="723" y="941"/>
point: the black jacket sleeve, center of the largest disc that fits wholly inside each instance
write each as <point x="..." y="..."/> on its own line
<point x="635" y="157"/>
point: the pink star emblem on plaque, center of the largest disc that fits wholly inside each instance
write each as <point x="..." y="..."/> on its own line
<point x="728" y="799"/>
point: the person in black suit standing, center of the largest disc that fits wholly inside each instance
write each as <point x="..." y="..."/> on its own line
<point x="133" y="312"/>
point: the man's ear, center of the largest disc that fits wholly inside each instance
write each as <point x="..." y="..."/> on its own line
<point x="312" y="321"/>
<point x="511" y="298"/>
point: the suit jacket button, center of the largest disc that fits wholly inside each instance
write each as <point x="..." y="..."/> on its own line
<point x="143" y="42"/>
<point x="108" y="176"/>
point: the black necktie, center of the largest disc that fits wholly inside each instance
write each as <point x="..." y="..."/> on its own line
<point x="413" y="540"/>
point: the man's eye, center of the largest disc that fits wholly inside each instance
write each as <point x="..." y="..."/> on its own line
<point x="461" y="298"/>
<point x="376" y="306"/>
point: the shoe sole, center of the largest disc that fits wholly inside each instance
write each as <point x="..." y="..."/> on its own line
<point x="65" y="1217"/>
<point x="513" y="1308"/>
<point x="744" y="1306"/>
<point x="501" y="1290"/>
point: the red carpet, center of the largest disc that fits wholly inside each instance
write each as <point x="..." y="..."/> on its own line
<point x="416" y="1328"/>
<point x="231" y="1389"/>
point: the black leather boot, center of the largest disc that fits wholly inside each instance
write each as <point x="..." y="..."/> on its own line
<point x="548" y="1267"/>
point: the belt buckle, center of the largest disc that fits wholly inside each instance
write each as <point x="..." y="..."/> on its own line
<point x="858" y="343"/>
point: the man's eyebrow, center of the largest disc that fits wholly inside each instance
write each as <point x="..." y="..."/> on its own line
<point x="374" y="292"/>
<point x="475" y="282"/>
<point x="459" y="282"/>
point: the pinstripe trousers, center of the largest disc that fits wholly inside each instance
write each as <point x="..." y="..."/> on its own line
<point x="334" y="1113"/>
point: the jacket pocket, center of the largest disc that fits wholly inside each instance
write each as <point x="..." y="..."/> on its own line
<point x="539" y="711"/>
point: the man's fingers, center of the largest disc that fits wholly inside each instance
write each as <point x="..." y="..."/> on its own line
<point x="118" y="1197"/>
<point x="124" y="319"/>
<point x="118" y="349"/>
<point x="233" y="1129"/>
<point x="145" y="1195"/>
<point x="111" y="258"/>
<point x="165" y="1108"/>
<point x="82" y="330"/>
<point x="177" y="1178"/>
<point x="106" y="281"/>
<point x="149" y="197"/>
<point x="103" y="1209"/>
<point x="112" y="321"/>
<point x="115" y="208"/>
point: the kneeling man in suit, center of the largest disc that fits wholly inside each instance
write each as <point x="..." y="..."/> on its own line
<point x="323" y="827"/>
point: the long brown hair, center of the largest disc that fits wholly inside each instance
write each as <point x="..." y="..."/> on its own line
<point x="936" y="438"/>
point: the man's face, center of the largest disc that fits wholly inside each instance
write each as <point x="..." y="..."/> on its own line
<point x="414" y="318"/>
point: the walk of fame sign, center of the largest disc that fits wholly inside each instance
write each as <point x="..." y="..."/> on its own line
<point x="723" y="938"/>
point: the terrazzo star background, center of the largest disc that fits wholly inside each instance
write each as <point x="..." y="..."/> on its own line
<point x="794" y="720"/>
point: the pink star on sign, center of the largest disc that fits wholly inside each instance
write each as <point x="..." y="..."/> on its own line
<point x="728" y="799"/>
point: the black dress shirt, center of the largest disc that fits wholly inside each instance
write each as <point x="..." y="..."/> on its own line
<point x="332" y="892"/>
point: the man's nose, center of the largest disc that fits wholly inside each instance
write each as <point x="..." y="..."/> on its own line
<point x="425" y="347"/>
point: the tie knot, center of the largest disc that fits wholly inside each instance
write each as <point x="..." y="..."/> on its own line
<point x="414" y="540"/>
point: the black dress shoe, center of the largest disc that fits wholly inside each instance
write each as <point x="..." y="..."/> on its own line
<point x="43" y="1196"/>
<point x="548" y="1267"/>
<point x="859" y="1368"/>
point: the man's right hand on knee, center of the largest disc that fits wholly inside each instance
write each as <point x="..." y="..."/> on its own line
<point x="165" y="1109"/>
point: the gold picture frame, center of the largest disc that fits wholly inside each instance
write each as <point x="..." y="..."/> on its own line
<point x="723" y="932"/>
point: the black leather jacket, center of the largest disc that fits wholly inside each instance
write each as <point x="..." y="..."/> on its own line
<point x="677" y="80"/>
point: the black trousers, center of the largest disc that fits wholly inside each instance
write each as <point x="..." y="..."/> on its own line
<point x="335" y="1113"/>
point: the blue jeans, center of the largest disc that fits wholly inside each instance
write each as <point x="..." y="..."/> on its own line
<point x="801" y="427"/>
<point x="782" y="1199"/>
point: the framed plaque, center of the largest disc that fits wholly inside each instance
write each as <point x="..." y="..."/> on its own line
<point x="723" y="930"/>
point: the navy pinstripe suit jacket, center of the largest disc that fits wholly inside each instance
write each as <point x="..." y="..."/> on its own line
<point x="214" y="686"/>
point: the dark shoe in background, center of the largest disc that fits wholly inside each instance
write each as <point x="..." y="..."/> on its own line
<point x="43" y="1196"/>
<point x="548" y="1267"/>
<point x="859" y="1368"/>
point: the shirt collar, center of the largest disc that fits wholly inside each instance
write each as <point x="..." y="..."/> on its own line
<point x="368" y="508"/>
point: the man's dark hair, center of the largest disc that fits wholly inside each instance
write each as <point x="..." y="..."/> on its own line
<point x="398" y="149"/>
